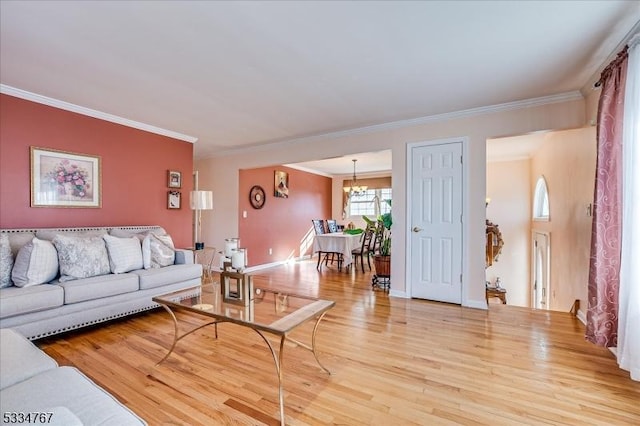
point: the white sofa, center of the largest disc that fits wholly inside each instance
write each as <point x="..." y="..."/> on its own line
<point x="64" y="302"/>
<point x="35" y="390"/>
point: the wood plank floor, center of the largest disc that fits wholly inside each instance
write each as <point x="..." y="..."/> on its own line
<point x="393" y="362"/>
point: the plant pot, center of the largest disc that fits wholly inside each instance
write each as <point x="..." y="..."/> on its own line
<point x="382" y="265"/>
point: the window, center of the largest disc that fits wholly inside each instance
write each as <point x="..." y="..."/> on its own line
<point x="371" y="203"/>
<point x="541" y="200"/>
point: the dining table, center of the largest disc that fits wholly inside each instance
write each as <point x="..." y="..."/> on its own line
<point x="337" y="242"/>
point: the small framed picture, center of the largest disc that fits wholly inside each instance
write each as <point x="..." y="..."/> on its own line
<point x="173" y="199"/>
<point x="281" y="184"/>
<point x="174" y="179"/>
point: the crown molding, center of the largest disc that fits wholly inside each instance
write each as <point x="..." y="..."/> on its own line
<point x="34" y="97"/>
<point x="490" y="109"/>
<point x="307" y="170"/>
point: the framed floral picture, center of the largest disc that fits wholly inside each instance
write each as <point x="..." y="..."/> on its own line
<point x="281" y="184"/>
<point x="174" y="179"/>
<point x="65" y="179"/>
<point x="173" y="199"/>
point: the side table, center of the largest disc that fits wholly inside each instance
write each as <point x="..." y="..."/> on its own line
<point x="500" y="293"/>
<point x="205" y="257"/>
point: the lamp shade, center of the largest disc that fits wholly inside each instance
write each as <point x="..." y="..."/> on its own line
<point x="201" y="200"/>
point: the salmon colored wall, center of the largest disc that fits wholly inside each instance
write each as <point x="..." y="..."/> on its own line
<point x="283" y="224"/>
<point x="567" y="160"/>
<point x="591" y="107"/>
<point x="508" y="186"/>
<point x="134" y="170"/>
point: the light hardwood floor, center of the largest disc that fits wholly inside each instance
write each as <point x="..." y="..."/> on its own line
<point x="393" y="362"/>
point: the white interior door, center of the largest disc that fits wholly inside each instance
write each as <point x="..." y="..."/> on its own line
<point x="436" y="222"/>
<point x="540" y="270"/>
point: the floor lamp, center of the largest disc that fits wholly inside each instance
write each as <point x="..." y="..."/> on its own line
<point x="200" y="200"/>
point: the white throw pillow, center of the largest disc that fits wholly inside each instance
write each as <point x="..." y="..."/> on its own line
<point x="36" y="263"/>
<point x="6" y="261"/>
<point x="145" y="240"/>
<point x="81" y="257"/>
<point x="125" y="254"/>
<point x="162" y="250"/>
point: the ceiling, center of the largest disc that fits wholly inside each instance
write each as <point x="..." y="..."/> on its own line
<point x="242" y="74"/>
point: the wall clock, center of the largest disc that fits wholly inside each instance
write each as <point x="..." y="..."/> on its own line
<point x="257" y="197"/>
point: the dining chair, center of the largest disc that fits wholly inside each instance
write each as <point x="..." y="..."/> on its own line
<point x="365" y="247"/>
<point x="332" y="225"/>
<point x="319" y="228"/>
<point x="376" y="242"/>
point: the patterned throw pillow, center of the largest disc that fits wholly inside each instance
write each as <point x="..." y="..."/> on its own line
<point x="125" y="254"/>
<point x="162" y="250"/>
<point x="81" y="257"/>
<point x="6" y="261"/>
<point x="36" y="263"/>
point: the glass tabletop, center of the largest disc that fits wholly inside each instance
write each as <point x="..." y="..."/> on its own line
<point x="269" y="310"/>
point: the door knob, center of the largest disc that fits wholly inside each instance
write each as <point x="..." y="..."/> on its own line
<point x="416" y="229"/>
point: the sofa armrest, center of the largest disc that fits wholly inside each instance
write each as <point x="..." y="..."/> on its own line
<point x="184" y="257"/>
<point x="20" y="359"/>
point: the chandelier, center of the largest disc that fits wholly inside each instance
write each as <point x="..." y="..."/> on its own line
<point x="355" y="190"/>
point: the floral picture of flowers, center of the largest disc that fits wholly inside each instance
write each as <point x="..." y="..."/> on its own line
<point x="64" y="179"/>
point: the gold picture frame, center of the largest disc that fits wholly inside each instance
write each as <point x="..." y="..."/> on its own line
<point x="65" y="179"/>
<point x="281" y="184"/>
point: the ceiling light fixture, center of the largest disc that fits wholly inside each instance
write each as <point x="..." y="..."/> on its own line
<point x="355" y="190"/>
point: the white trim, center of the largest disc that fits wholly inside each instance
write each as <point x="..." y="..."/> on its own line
<point x="464" y="301"/>
<point x="476" y="304"/>
<point x="540" y="194"/>
<point x="29" y="96"/>
<point x="532" y="267"/>
<point x="307" y="170"/>
<point x="508" y="106"/>
<point x="582" y="316"/>
<point x="278" y="263"/>
<point x="398" y="293"/>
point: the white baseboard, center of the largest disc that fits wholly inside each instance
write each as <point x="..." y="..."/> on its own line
<point x="398" y="293"/>
<point x="476" y="304"/>
<point x="273" y="264"/>
<point x="582" y="316"/>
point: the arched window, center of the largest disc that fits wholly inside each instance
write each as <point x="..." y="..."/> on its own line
<point x="541" y="200"/>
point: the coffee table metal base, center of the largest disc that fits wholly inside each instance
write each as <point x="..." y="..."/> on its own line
<point x="277" y="356"/>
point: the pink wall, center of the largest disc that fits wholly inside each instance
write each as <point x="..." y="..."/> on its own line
<point x="567" y="160"/>
<point x="283" y="224"/>
<point x="134" y="170"/>
<point x="508" y="186"/>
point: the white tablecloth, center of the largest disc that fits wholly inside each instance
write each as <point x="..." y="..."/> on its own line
<point x="337" y="242"/>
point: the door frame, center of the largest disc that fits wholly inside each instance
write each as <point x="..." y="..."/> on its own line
<point x="532" y="267"/>
<point x="464" y="140"/>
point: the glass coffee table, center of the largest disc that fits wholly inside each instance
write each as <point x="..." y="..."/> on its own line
<point x="269" y="312"/>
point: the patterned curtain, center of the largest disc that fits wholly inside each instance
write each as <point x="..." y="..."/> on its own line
<point x="604" y="268"/>
<point x="628" y="352"/>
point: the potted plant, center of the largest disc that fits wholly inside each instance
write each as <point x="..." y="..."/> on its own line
<point x="382" y="259"/>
